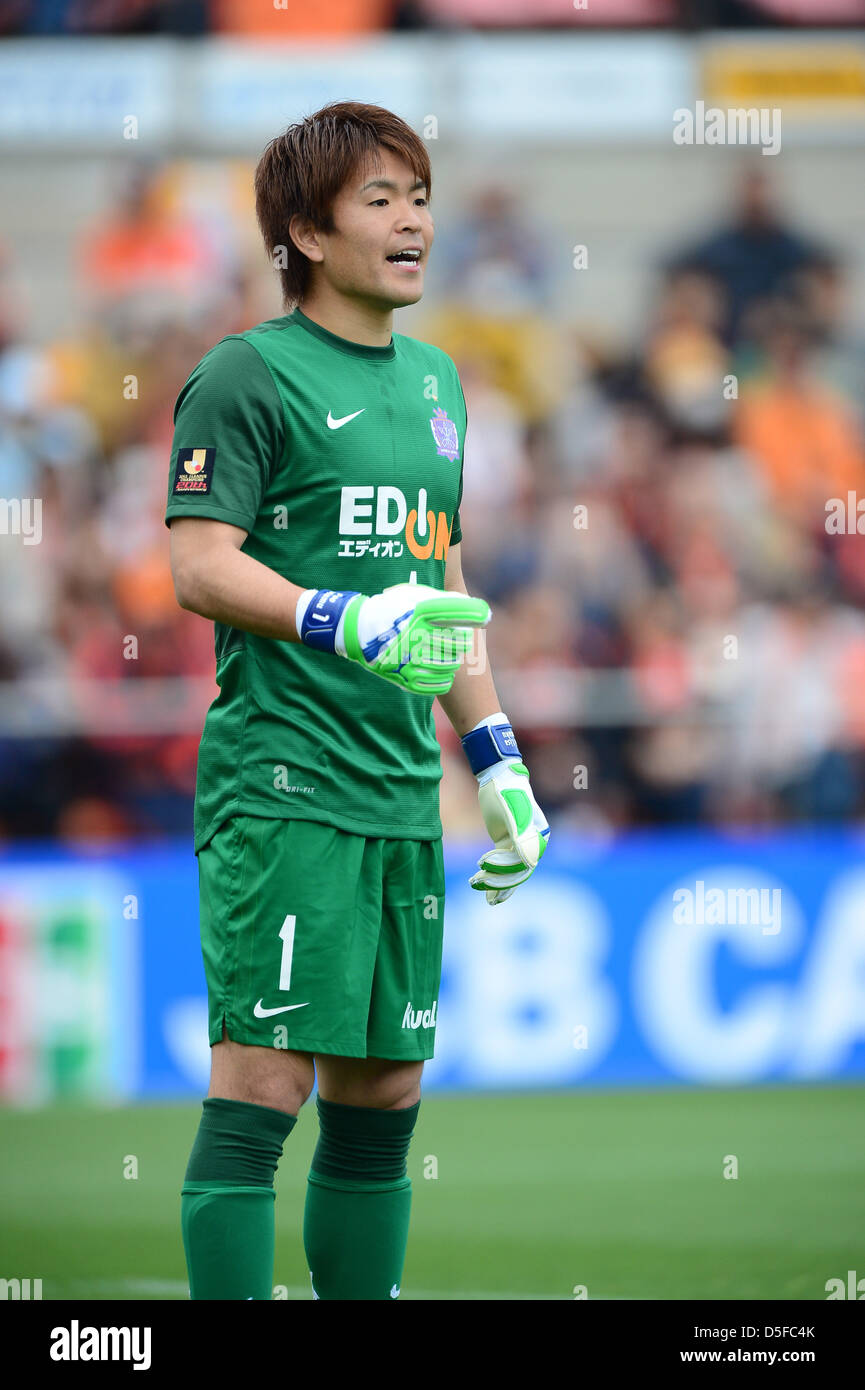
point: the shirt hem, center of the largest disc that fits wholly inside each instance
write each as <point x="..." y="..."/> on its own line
<point x="354" y="825"/>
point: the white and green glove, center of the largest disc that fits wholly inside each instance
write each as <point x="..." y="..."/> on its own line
<point x="410" y="634"/>
<point x="516" y="823"/>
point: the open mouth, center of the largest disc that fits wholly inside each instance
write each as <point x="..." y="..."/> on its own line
<point x="408" y="260"/>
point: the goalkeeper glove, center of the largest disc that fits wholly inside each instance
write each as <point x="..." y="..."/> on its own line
<point x="518" y="826"/>
<point x="410" y="634"/>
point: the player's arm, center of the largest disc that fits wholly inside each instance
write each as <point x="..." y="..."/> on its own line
<point x="212" y="576"/>
<point x="516" y="823"/>
<point x="473" y="694"/>
<point x="412" y="635"/>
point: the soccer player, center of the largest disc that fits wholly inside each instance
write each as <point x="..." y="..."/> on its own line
<point x="315" y="481"/>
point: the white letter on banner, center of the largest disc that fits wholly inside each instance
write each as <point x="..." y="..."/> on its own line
<point x="832" y="1002"/>
<point x="675" y="993"/>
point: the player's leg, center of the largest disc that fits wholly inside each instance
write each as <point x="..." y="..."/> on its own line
<point x="228" y="1196"/>
<point x="256" y="1088"/>
<point x="288" y="960"/>
<point x="369" y="1081"/>
<point x="272" y="1077"/>
<point x="358" y="1200"/>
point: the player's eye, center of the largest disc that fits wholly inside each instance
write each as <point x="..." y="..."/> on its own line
<point x="378" y="202"/>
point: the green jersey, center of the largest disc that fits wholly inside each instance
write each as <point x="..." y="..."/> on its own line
<point x="343" y="463"/>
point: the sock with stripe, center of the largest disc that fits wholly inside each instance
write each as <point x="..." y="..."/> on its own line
<point x="358" y="1201"/>
<point x="227" y="1200"/>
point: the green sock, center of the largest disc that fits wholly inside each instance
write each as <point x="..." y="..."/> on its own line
<point x="358" y="1201"/>
<point x="226" y="1206"/>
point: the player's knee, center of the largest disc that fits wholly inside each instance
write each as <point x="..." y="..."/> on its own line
<point x="287" y="1096"/>
<point x="371" y="1081"/>
<point x="396" y="1087"/>
<point x="287" y="1088"/>
<point x="399" y="1098"/>
<point x="280" y="1080"/>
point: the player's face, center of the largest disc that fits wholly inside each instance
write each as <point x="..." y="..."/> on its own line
<point x="382" y="237"/>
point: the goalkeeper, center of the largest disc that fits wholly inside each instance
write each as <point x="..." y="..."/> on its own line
<point x="313" y="506"/>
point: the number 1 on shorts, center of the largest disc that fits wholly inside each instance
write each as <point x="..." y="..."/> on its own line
<point x="286" y="933"/>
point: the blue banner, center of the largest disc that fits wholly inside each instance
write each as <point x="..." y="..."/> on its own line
<point x="680" y="958"/>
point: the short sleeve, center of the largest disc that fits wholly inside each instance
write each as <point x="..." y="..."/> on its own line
<point x="456" y="528"/>
<point x="229" y="433"/>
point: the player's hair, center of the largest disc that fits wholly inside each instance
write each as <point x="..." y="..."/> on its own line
<point x="303" y="169"/>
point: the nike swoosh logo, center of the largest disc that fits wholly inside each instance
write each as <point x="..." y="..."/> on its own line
<point x="338" y="424"/>
<point x="283" y="1009"/>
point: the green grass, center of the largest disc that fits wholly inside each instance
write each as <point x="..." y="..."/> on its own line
<point x="621" y="1191"/>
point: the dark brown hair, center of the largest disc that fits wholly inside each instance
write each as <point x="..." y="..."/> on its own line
<point x="304" y="169"/>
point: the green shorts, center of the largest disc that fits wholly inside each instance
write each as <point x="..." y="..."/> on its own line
<point x="318" y="940"/>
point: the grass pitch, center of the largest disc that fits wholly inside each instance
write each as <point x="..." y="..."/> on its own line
<point x="518" y="1195"/>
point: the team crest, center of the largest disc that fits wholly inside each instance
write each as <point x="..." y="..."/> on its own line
<point x="445" y="435"/>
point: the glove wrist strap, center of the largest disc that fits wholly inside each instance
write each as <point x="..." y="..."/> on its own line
<point x="320" y="617"/>
<point x="490" y="741"/>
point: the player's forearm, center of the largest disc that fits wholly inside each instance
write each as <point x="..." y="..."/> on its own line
<point x="230" y="587"/>
<point x="473" y="694"/>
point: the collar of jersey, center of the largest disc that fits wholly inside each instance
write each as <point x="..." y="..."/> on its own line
<point x="373" y="354"/>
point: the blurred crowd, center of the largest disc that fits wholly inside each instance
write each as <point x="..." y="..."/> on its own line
<point x="679" y="635"/>
<point x="342" y="18"/>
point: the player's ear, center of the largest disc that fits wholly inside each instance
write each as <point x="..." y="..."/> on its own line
<point x="304" y="234"/>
